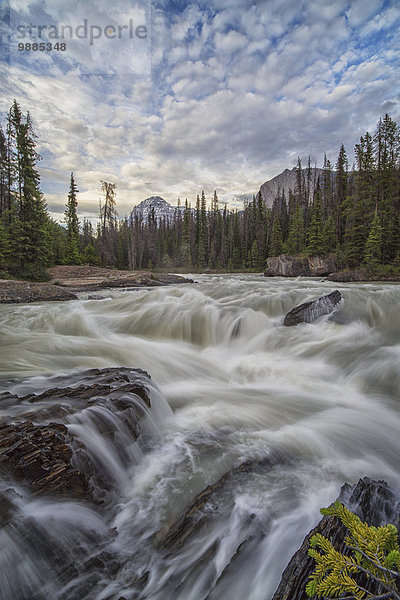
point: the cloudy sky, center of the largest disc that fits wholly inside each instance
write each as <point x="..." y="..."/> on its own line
<point x="170" y="97"/>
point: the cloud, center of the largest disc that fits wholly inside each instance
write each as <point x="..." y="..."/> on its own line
<point x="238" y="90"/>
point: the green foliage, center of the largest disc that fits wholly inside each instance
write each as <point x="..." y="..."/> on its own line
<point x="373" y="246"/>
<point x="316" y="240"/>
<point x="90" y="257"/>
<point x="295" y="242"/>
<point x="374" y="553"/>
<point x="277" y="238"/>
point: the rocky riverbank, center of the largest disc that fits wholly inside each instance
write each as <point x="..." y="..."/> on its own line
<point x="66" y="281"/>
<point x="323" y="266"/>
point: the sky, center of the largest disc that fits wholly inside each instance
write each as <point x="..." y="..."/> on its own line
<point x="170" y="97"/>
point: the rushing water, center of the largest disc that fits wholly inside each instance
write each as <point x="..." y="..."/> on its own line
<point x="319" y="402"/>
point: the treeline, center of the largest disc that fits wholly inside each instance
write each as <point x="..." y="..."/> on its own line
<point x="354" y="214"/>
<point x="26" y="232"/>
<point x="30" y="240"/>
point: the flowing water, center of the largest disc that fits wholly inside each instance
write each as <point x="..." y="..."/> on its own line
<point x="316" y="404"/>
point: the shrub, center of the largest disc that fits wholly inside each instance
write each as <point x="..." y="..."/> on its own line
<point x="374" y="554"/>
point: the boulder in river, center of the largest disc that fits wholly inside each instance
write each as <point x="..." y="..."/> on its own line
<point x="312" y="310"/>
<point x="299" y="266"/>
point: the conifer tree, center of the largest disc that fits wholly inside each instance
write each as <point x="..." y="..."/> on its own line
<point x="316" y="241"/>
<point x="72" y="254"/>
<point x="31" y="243"/>
<point x="277" y="238"/>
<point x="295" y="242"/>
<point x="373" y="246"/>
<point x="341" y="184"/>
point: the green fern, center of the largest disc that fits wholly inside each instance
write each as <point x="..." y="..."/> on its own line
<point x="375" y="553"/>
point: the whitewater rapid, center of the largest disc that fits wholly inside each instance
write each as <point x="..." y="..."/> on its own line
<point x="320" y="401"/>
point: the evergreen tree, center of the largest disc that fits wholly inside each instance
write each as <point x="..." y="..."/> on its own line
<point x="373" y="246"/>
<point x="31" y="243"/>
<point x="4" y="245"/>
<point x="254" y="256"/>
<point x="277" y="238"/>
<point x="108" y="225"/>
<point x="72" y="254"/>
<point x="295" y="242"/>
<point x="316" y="241"/>
<point x="341" y="184"/>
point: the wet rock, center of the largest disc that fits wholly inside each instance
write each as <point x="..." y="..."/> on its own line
<point x="197" y="515"/>
<point x="36" y="447"/>
<point x="371" y="500"/>
<point x="41" y="457"/>
<point x="299" y="266"/>
<point x="312" y="310"/>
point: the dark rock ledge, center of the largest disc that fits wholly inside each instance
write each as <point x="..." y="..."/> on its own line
<point x="36" y="447"/>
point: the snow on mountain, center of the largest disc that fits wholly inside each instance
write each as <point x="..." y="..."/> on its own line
<point x="162" y="209"/>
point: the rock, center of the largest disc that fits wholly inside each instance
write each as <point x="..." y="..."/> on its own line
<point x="37" y="448"/>
<point x="346" y="276"/>
<point x="40" y="456"/>
<point x="195" y="517"/>
<point x="371" y="500"/>
<point x="192" y="519"/>
<point x="312" y="310"/>
<point x="299" y="266"/>
<point x="12" y="292"/>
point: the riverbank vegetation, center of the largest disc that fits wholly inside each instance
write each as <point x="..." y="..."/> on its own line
<point x="351" y="213"/>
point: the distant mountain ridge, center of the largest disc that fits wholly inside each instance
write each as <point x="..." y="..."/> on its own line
<point x="285" y="181"/>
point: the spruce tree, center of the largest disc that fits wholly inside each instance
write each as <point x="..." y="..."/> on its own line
<point x="295" y="242"/>
<point x="316" y="241"/>
<point x="31" y="243"/>
<point x="72" y="254"/>
<point x="277" y="238"/>
<point x="373" y="246"/>
<point x="341" y="184"/>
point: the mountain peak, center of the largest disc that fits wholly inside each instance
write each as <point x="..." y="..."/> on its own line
<point x="162" y="209"/>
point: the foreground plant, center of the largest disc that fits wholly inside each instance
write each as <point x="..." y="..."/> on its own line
<point x="374" y="556"/>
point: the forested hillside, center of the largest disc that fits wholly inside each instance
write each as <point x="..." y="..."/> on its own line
<point x="353" y="213"/>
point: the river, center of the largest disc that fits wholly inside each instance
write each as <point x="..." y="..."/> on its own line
<point x="319" y="402"/>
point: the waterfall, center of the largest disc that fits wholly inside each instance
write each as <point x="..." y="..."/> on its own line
<point x="304" y="408"/>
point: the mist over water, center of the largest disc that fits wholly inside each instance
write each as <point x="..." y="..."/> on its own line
<point x="317" y="404"/>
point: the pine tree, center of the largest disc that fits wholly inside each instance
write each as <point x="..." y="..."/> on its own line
<point x="277" y="238"/>
<point x="31" y="243"/>
<point x="295" y="242"/>
<point x="373" y="246"/>
<point x="254" y="256"/>
<point x="108" y="225"/>
<point x="4" y="245"/>
<point x="72" y="255"/>
<point x="316" y="241"/>
<point x="341" y="184"/>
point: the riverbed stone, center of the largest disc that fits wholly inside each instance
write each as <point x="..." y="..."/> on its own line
<point x="308" y="312"/>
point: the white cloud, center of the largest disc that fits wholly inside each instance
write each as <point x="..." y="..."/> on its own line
<point x="239" y="89"/>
